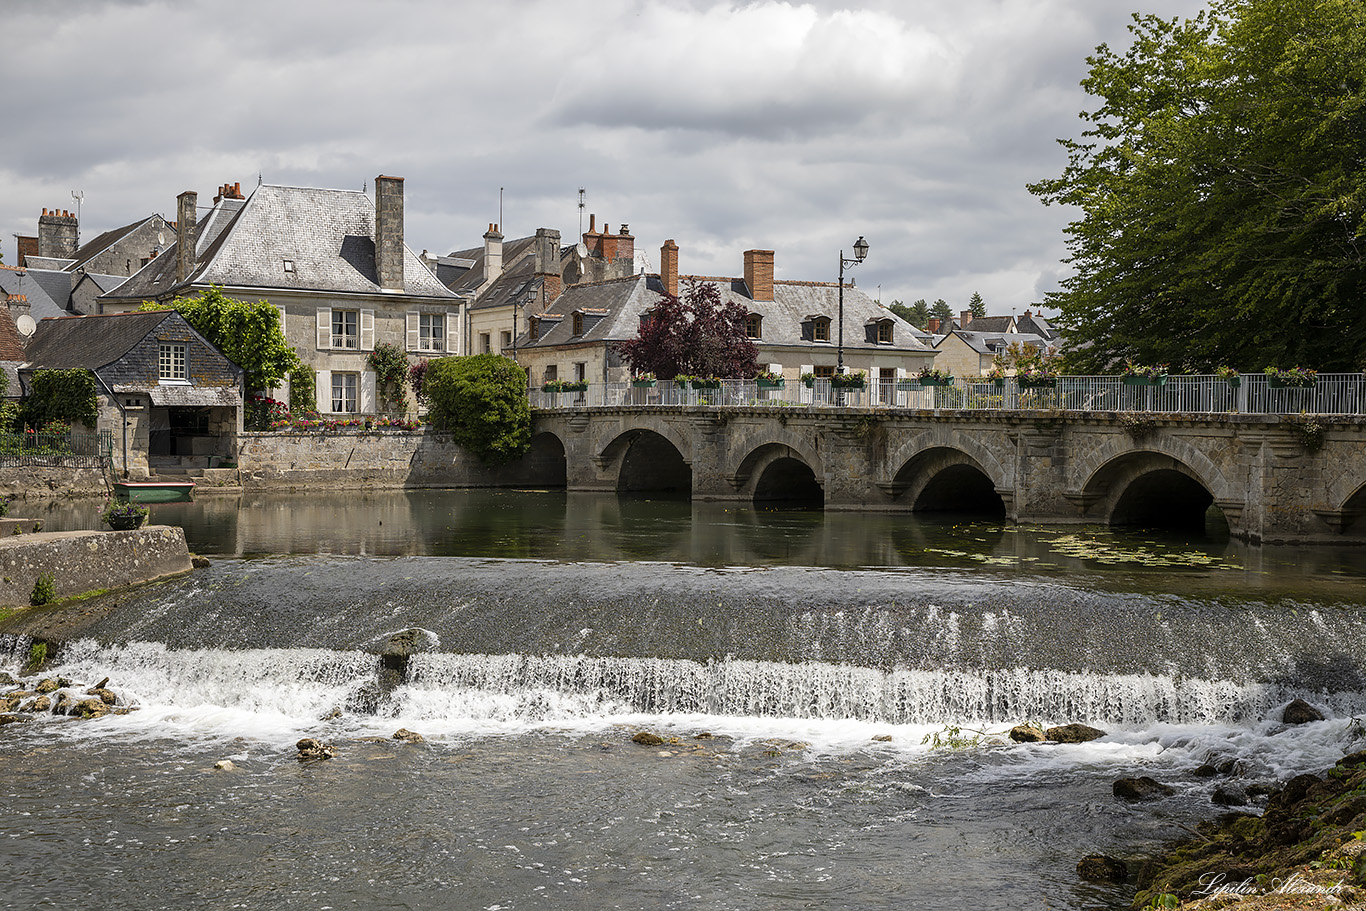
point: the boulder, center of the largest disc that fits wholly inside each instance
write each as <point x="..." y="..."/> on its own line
<point x="9" y="702"/>
<point x="311" y="750"/>
<point x="408" y="736"/>
<point x="7" y="679"/>
<point x="89" y="708"/>
<point x="1143" y="788"/>
<point x="1102" y="868"/>
<point x="1027" y="733"/>
<point x="224" y="765"/>
<point x="40" y="704"/>
<point x="1073" y="733"/>
<point x="882" y="738"/>
<point x="8" y="718"/>
<point x="199" y="562"/>
<point x="1300" y="712"/>
<point x="1229" y="795"/>
<point x="47" y="685"/>
<point x="106" y="696"/>
<point x="1208" y="770"/>
<point x="645" y="738"/>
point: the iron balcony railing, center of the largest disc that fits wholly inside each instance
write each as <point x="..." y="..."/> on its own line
<point x="1331" y="393"/>
<point x="67" y="450"/>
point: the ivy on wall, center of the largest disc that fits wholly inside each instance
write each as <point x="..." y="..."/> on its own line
<point x="62" y="395"/>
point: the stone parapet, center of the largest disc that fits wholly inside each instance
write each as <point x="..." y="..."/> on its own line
<point x="87" y="561"/>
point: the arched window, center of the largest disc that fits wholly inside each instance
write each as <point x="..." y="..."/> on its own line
<point x="820" y="329"/>
<point x="578" y="324"/>
<point x="884" y="332"/>
<point x="754" y="326"/>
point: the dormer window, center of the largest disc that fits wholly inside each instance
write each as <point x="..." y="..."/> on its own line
<point x="754" y="326"/>
<point x="578" y="324"/>
<point x="884" y="332"/>
<point x="820" y="329"/>
<point x="533" y="328"/>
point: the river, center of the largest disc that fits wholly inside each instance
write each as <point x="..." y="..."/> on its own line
<point x="832" y="690"/>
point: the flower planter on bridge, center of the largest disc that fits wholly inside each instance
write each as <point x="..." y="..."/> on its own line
<point x="1145" y="380"/>
<point x="1038" y="383"/>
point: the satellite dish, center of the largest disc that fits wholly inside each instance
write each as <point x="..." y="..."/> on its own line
<point x="581" y="250"/>
<point x="26" y="325"/>
<point x="161" y="238"/>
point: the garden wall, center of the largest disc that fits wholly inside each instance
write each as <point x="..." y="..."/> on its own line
<point x="86" y="561"/>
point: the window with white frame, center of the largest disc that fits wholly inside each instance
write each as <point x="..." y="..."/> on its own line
<point x="171" y="363"/>
<point x="485" y="344"/>
<point x="507" y="339"/>
<point x="345" y="392"/>
<point x="431" y="331"/>
<point x="345" y="328"/>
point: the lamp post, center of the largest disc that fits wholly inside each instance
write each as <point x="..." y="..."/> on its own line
<point x="860" y="253"/>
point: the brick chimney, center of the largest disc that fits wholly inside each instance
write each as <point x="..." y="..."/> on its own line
<point x="933" y="326"/>
<point x="548" y="264"/>
<point x="28" y="246"/>
<point x="57" y="234"/>
<point x="389" y="232"/>
<point x="668" y="267"/>
<point x="186" y="234"/>
<point x="493" y="255"/>
<point x="964" y="318"/>
<point x="618" y="251"/>
<point x="228" y="191"/>
<point x="759" y="274"/>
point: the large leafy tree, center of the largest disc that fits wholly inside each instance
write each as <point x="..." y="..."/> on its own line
<point x="917" y="314"/>
<point x="248" y="334"/>
<point x="694" y="334"/>
<point x="482" y="401"/>
<point x="1221" y="186"/>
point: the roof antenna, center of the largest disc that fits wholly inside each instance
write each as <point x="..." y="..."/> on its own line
<point x="500" y="208"/>
<point x="78" y="195"/>
<point x="582" y="204"/>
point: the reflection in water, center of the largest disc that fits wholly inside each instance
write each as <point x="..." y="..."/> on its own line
<point x="555" y="525"/>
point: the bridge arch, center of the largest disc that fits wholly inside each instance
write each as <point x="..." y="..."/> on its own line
<point x="545" y="464"/>
<point x="943" y="470"/>
<point x="780" y="472"/>
<point x="648" y="459"/>
<point x="1154" y="488"/>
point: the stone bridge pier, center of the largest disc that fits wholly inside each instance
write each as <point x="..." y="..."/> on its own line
<point x="1262" y="472"/>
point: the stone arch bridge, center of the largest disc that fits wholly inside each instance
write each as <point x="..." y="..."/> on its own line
<point x="1262" y="471"/>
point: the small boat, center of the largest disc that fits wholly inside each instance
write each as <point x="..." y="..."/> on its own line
<point x="154" y="491"/>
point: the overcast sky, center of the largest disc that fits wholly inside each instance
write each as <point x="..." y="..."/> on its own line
<point x="787" y="126"/>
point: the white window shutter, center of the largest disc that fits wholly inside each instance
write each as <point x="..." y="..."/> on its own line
<point x="776" y="368"/>
<point x="281" y="308"/>
<point x="901" y="373"/>
<point x="452" y="332"/>
<point x="367" y="392"/>
<point x="325" y="330"/>
<point x="410" y="318"/>
<point x="807" y="368"/>
<point x="367" y="330"/>
<point x="324" y="391"/>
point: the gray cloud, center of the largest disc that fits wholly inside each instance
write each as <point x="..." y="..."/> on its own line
<point x="791" y="126"/>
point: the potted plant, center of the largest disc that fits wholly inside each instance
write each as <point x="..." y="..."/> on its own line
<point x="1035" y="375"/>
<point x="684" y="380"/>
<point x="124" y="515"/>
<point x="929" y="376"/>
<point x="1144" y="374"/>
<point x="708" y="382"/>
<point x="574" y="386"/>
<point x="1229" y="375"/>
<point x="768" y="380"/>
<point x="856" y="380"/>
<point x="997" y="375"/>
<point x="808" y="380"/>
<point x="643" y="381"/>
<point x="552" y="386"/>
<point x="1291" y="378"/>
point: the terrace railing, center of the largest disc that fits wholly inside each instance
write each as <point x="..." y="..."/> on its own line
<point x="66" y="450"/>
<point x="1332" y="393"/>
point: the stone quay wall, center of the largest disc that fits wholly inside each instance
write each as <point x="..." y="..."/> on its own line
<point x="86" y="561"/>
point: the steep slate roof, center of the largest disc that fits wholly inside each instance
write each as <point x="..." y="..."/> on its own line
<point x="624" y="300"/>
<point x="987" y="324"/>
<point x="994" y="342"/>
<point x="21" y="282"/>
<point x="106" y="240"/>
<point x="91" y="341"/>
<point x="327" y="234"/>
<point x="519" y="265"/>
<point x="1037" y="325"/>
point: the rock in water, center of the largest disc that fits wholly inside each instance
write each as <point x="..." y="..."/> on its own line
<point x="1102" y="868"/>
<point x="645" y="738"/>
<point x="1300" y="712"/>
<point x="1027" y="733"/>
<point x="408" y="736"/>
<point x="1229" y="795"/>
<point x="1143" y="788"/>
<point x="224" y="765"/>
<point x="883" y="738"/>
<point x="311" y="750"/>
<point x="1073" y="733"/>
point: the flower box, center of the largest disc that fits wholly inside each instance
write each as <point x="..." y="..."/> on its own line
<point x="846" y="381"/>
<point x="809" y="381"/>
<point x="1273" y="382"/>
<point x="1234" y="382"/>
<point x="770" y="384"/>
<point x="936" y="381"/>
<point x="1145" y="380"/>
<point x="706" y="384"/>
<point x="642" y="384"/>
<point x="998" y="381"/>
<point x="1041" y="382"/>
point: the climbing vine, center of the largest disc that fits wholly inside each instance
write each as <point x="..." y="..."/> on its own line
<point x="390" y="364"/>
<point x="62" y="395"/>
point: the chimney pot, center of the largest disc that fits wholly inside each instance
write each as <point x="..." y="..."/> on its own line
<point x="933" y="325"/>
<point x="592" y="220"/>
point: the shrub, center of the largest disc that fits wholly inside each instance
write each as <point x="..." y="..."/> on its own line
<point x="390" y="364"/>
<point x="62" y="395"/>
<point x="417" y="376"/>
<point x="303" y="391"/>
<point x="44" y="591"/>
<point x="37" y="654"/>
<point x="482" y="402"/>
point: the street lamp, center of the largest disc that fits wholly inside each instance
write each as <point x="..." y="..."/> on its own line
<point x="860" y="254"/>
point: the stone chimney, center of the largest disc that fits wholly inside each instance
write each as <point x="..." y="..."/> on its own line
<point x="759" y="274"/>
<point x="964" y="318"/>
<point x="668" y="267"/>
<point x="618" y="251"/>
<point x="493" y="255"/>
<point x="186" y="234"/>
<point x="548" y="264"/>
<point x="57" y="234"/>
<point x="389" y="232"/>
<point x="933" y="326"/>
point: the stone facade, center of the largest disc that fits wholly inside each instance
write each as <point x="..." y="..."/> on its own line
<point x="86" y="561"/>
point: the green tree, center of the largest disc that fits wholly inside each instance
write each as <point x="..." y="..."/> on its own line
<point x="71" y="396"/>
<point x="248" y="334"/>
<point x="941" y="312"/>
<point x="917" y="314"/>
<point x="1222" y="192"/>
<point x="977" y="306"/>
<point x="482" y="402"/>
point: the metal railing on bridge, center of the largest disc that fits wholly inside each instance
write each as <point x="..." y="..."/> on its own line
<point x="1331" y="393"/>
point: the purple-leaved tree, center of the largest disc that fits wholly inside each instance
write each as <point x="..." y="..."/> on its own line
<point x="694" y="334"/>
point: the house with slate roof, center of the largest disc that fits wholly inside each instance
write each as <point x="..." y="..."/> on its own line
<point x="333" y="262"/>
<point x="794" y="324"/>
<point x="169" y="398"/>
<point x="971" y="350"/>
